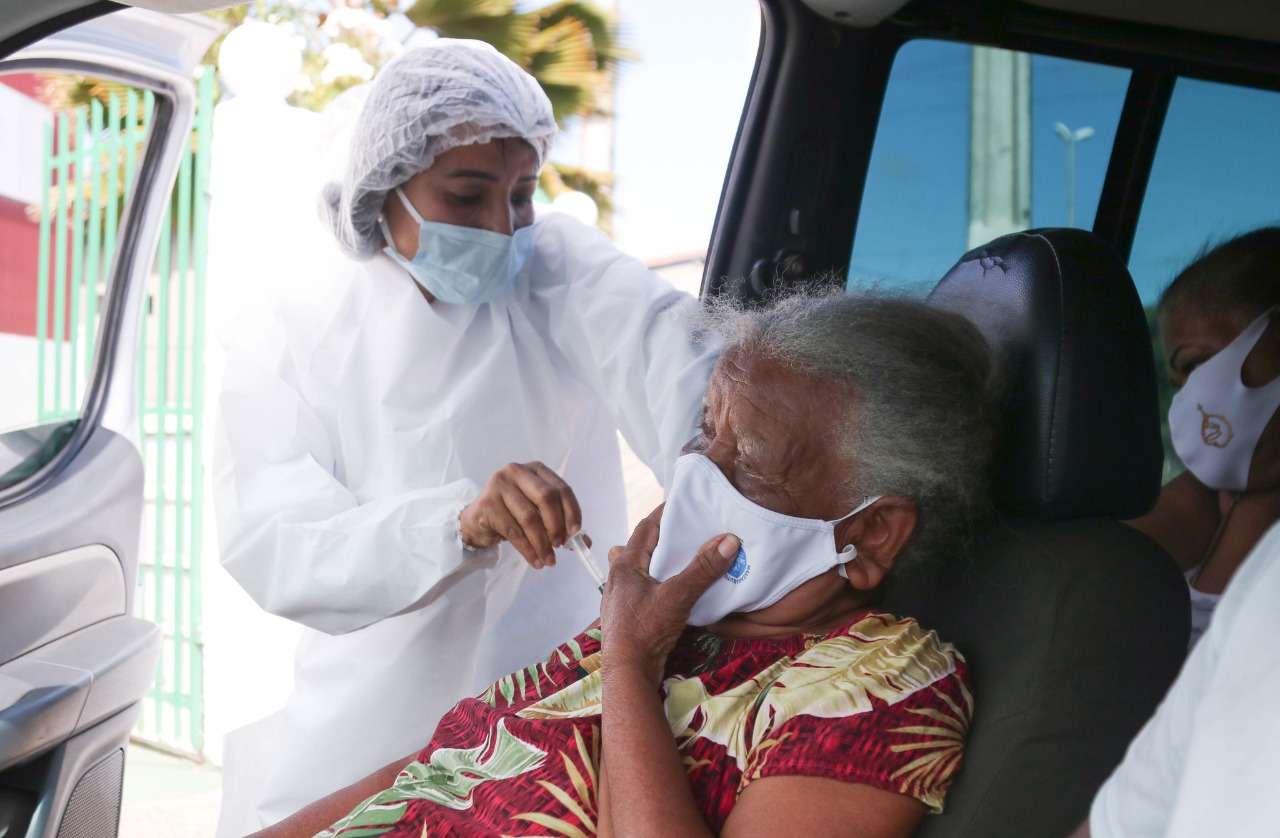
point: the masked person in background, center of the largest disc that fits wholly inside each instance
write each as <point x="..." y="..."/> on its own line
<point x="844" y="443"/>
<point x="401" y="451"/>
<point x="1221" y="337"/>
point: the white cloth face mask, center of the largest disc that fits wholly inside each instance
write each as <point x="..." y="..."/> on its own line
<point x="461" y="265"/>
<point x="779" y="552"/>
<point x="1215" y="420"/>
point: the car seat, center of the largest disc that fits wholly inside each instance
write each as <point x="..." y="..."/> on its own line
<point x="1074" y="625"/>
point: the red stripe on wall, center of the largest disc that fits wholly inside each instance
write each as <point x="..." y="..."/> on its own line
<point x="19" y="266"/>
<point x="28" y="84"/>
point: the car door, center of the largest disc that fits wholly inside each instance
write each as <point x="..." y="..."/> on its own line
<point x="94" y="119"/>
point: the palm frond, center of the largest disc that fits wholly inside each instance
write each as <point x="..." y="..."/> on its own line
<point x="446" y="10"/>
<point x="606" y="33"/>
<point x="562" y="54"/>
<point x="562" y="60"/>
<point x="493" y="21"/>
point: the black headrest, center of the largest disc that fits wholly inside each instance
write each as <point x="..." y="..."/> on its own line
<point x="1081" y="432"/>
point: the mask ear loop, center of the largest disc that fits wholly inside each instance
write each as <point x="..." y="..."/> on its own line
<point x="407" y="205"/>
<point x="388" y="243"/>
<point x="849" y="553"/>
<point x="386" y="228"/>
<point x="865" y="503"/>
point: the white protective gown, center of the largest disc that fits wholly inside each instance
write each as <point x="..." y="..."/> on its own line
<point x="354" y="432"/>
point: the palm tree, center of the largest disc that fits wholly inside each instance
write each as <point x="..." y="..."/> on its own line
<point x="572" y="48"/>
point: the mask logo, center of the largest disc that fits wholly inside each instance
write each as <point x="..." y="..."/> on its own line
<point x="1215" y="430"/>
<point x="740" y="568"/>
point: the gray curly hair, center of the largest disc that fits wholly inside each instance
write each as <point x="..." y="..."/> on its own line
<point x="920" y="386"/>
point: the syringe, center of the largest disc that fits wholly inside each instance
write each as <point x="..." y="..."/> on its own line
<point x="578" y="544"/>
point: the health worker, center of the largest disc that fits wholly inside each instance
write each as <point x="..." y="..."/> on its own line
<point x="402" y="448"/>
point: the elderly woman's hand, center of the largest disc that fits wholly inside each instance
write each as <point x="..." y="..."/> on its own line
<point x="642" y="618"/>
<point x="527" y="504"/>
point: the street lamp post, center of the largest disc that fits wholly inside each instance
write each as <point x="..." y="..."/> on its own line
<point x="1070" y="138"/>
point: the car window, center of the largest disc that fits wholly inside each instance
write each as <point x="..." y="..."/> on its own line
<point x="69" y="152"/>
<point x="1216" y="174"/>
<point x="974" y="143"/>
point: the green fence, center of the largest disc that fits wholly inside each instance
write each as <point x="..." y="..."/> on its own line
<point x="91" y="155"/>
<point x="171" y="405"/>
<point x="87" y="169"/>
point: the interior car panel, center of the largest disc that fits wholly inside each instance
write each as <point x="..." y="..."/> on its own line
<point x="58" y="594"/>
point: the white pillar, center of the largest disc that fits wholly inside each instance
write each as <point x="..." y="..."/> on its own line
<point x="999" y="144"/>
<point x="263" y="181"/>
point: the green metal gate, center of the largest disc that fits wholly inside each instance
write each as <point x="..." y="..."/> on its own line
<point x="171" y="406"/>
<point x="87" y="170"/>
<point x="90" y="162"/>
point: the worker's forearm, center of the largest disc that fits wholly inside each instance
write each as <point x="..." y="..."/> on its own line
<point x="648" y="789"/>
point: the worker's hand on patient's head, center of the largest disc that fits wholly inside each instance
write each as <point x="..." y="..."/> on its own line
<point x="527" y="504"/>
<point x="642" y="618"/>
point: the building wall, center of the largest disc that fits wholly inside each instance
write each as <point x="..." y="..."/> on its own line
<point x="23" y="118"/>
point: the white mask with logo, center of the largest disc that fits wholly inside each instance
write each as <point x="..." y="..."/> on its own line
<point x="778" y="554"/>
<point x="1215" y="420"/>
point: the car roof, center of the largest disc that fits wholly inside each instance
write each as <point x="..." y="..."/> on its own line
<point x="24" y="22"/>
<point x="1254" y="20"/>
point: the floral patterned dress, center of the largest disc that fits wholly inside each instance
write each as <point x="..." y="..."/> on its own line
<point x="880" y="701"/>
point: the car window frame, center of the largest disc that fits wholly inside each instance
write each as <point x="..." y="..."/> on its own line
<point x="139" y="230"/>
<point x="745" y="237"/>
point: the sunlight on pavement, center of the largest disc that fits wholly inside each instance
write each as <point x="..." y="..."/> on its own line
<point x="169" y="796"/>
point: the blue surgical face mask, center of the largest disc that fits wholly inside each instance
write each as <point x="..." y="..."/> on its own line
<point x="461" y="265"/>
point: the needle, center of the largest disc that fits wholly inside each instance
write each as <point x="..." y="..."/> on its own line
<point x="577" y="543"/>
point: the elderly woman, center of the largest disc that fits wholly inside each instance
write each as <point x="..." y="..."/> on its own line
<point x="402" y="448"/>
<point x="842" y="446"/>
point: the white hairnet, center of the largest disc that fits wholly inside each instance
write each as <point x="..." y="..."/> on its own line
<point x="426" y="101"/>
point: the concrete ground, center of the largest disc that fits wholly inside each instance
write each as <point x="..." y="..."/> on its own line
<point x="168" y="796"/>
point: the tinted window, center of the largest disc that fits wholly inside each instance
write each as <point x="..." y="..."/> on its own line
<point x="974" y="143"/>
<point x="1216" y="175"/>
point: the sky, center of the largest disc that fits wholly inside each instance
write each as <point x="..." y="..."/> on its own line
<point x="677" y="115"/>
